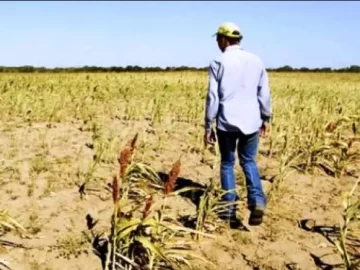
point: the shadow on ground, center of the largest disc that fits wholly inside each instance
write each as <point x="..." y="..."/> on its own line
<point x="193" y="195"/>
<point x="331" y="234"/>
<point x="322" y="265"/>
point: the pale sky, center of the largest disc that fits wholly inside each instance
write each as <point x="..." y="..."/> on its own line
<point x="312" y="34"/>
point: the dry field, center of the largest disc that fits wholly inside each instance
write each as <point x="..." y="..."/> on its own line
<point x="110" y="169"/>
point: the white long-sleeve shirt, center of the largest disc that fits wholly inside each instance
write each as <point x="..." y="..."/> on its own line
<point x="238" y="92"/>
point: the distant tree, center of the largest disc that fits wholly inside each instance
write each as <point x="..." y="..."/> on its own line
<point x="136" y="68"/>
<point x="26" y="69"/>
<point x="354" y="68"/>
<point x="285" y="68"/>
<point x="304" y="69"/>
<point x="326" y="69"/>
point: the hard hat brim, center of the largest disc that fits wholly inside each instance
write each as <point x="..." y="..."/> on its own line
<point x="214" y="35"/>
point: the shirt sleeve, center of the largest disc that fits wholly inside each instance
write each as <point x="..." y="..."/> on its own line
<point x="264" y="96"/>
<point x="212" y="100"/>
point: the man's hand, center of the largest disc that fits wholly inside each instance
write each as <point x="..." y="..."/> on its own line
<point x="263" y="129"/>
<point x="209" y="137"/>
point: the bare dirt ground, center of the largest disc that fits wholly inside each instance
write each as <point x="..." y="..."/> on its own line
<point x="40" y="170"/>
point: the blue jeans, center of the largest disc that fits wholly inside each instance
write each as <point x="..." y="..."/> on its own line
<point x="247" y="146"/>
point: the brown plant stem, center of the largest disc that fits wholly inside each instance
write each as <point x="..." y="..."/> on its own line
<point x="173" y="175"/>
<point x="124" y="158"/>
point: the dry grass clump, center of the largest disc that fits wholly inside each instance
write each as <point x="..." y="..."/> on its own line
<point x="314" y="130"/>
<point x="147" y="238"/>
<point x="8" y="223"/>
<point x="348" y="243"/>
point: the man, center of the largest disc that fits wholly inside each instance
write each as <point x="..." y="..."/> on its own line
<point x="239" y="99"/>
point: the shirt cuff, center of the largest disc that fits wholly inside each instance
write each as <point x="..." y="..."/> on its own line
<point x="265" y="118"/>
<point x="207" y="126"/>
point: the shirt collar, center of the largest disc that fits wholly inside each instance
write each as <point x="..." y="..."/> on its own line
<point x="233" y="47"/>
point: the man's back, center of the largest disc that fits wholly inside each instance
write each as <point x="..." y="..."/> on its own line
<point x="240" y="80"/>
<point x="239" y="98"/>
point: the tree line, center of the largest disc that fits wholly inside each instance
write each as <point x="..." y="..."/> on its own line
<point x="32" y="69"/>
